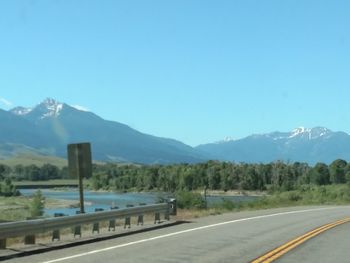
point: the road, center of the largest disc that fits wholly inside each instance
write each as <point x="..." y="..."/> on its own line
<point x="234" y="237"/>
<point x="331" y="246"/>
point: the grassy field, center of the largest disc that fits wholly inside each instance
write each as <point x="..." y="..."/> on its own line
<point x="39" y="160"/>
<point x="14" y="208"/>
<point x="305" y="195"/>
<point x="308" y="195"/>
<point x="17" y="208"/>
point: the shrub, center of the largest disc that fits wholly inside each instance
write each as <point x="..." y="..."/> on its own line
<point x="37" y="205"/>
<point x="190" y="200"/>
<point x="228" y="204"/>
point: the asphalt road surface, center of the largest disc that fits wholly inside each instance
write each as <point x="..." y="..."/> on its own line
<point x="331" y="246"/>
<point x="234" y="237"/>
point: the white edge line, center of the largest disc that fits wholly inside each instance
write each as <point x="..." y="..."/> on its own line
<point x="184" y="231"/>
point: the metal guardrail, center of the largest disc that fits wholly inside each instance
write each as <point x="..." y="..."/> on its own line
<point x="32" y="227"/>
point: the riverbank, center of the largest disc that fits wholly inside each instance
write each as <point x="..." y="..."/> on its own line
<point x="233" y="193"/>
<point x="59" y="183"/>
<point x="304" y="195"/>
<point x="17" y="208"/>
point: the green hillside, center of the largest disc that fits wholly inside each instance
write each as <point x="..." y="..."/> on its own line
<point x="39" y="160"/>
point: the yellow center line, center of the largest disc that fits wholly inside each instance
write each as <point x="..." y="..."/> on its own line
<point x="281" y="250"/>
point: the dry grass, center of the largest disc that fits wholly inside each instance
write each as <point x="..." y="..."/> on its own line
<point x="188" y="214"/>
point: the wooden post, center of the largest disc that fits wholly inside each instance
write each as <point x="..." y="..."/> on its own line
<point x="80" y="165"/>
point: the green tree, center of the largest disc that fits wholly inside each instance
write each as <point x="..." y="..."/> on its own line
<point x="8" y="189"/>
<point x="319" y="175"/>
<point x="347" y="177"/>
<point x="19" y="172"/>
<point x="4" y="171"/>
<point x="337" y="171"/>
<point x="32" y="172"/>
<point x="213" y="177"/>
<point x="37" y="205"/>
<point x="277" y="173"/>
<point x="49" y="171"/>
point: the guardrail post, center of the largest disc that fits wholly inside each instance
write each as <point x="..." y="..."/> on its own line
<point x="56" y="235"/>
<point x="2" y="243"/>
<point x="127" y="222"/>
<point x="140" y="217"/>
<point x="157" y="218"/>
<point x="56" y="232"/>
<point x="172" y="206"/>
<point x="167" y="214"/>
<point x="171" y="210"/>
<point x="112" y="222"/>
<point x="30" y="239"/>
<point x="96" y="225"/>
<point x="77" y="229"/>
<point x="128" y="219"/>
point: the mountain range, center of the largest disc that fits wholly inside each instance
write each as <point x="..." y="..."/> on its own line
<point x="48" y="127"/>
<point x="314" y="145"/>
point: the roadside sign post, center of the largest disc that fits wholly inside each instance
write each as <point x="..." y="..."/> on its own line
<point x="80" y="165"/>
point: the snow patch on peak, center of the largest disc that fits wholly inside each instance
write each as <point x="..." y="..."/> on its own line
<point x="21" y="111"/>
<point x="319" y="132"/>
<point x="79" y="107"/>
<point x="52" y="108"/>
<point x="50" y="101"/>
<point x="310" y="134"/>
<point x="298" y="131"/>
<point x="226" y="139"/>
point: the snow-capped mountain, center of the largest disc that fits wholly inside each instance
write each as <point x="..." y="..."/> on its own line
<point x="225" y="140"/>
<point x="20" y="111"/>
<point x="51" y="125"/>
<point x="302" y="144"/>
<point x="48" y="127"/>
<point x="298" y="133"/>
<point x="311" y="134"/>
<point x="48" y="108"/>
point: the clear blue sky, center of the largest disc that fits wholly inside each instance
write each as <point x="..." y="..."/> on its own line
<point x="195" y="71"/>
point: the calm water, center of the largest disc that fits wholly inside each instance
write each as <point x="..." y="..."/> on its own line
<point x="106" y="200"/>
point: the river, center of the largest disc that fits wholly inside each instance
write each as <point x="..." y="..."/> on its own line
<point x="106" y="200"/>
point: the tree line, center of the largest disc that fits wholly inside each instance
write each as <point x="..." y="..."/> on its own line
<point x="30" y="173"/>
<point x="33" y="172"/>
<point x="213" y="175"/>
